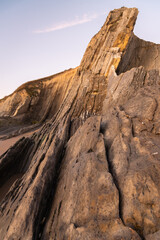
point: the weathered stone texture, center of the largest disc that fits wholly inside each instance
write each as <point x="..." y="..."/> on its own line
<point x="92" y="169"/>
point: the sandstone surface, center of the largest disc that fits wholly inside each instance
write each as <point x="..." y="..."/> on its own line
<point x="91" y="170"/>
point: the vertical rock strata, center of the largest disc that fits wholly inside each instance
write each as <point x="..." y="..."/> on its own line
<point x="107" y="46"/>
<point x="92" y="170"/>
<point x="35" y="101"/>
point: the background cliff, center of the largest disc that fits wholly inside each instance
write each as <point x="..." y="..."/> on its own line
<point x="91" y="169"/>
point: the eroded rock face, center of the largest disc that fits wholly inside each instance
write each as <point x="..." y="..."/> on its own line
<point x="136" y="55"/>
<point x="133" y="148"/>
<point x="92" y="170"/>
<point x="86" y="204"/>
<point x="109" y="44"/>
<point x="36" y="101"/>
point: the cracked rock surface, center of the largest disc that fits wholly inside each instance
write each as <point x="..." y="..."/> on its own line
<point x="91" y="170"/>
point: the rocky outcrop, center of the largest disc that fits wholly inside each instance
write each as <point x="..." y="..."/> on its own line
<point x="92" y="169"/>
<point x="109" y="44"/>
<point x="86" y="204"/>
<point x="140" y="53"/>
<point x="36" y="101"/>
<point x="130" y="117"/>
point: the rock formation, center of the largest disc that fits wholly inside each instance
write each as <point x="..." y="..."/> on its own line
<point x="34" y="102"/>
<point x="91" y="170"/>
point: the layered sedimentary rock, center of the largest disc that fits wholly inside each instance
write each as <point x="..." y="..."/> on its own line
<point x="92" y="169"/>
<point x="36" y="101"/>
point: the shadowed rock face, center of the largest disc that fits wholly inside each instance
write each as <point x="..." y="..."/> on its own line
<point x="92" y="169"/>
<point x="140" y="53"/>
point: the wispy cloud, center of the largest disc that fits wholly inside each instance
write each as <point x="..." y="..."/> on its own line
<point x="77" y="21"/>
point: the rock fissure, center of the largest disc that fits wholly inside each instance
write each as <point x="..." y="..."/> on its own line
<point x="115" y="182"/>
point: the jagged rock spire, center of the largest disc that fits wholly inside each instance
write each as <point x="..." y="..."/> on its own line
<point x="107" y="46"/>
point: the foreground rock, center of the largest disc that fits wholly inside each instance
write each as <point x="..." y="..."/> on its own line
<point x="92" y="170"/>
<point x="130" y="123"/>
<point x="86" y="204"/>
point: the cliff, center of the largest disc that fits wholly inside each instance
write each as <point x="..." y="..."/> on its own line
<point x="91" y="169"/>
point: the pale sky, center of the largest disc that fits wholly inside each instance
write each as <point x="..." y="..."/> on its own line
<point x="42" y="37"/>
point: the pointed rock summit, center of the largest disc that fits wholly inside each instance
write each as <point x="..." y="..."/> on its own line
<point x="109" y="44"/>
<point x="80" y="150"/>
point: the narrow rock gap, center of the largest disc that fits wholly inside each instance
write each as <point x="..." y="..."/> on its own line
<point x="70" y="130"/>
<point x="111" y="171"/>
<point x="102" y="129"/>
<point x="32" y="179"/>
<point x="44" y="212"/>
<point x="115" y="182"/>
<point x="14" y="169"/>
<point x="37" y="168"/>
<point x="132" y="129"/>
<point x="48" y="199"/>
<point x="59" y="208"/>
